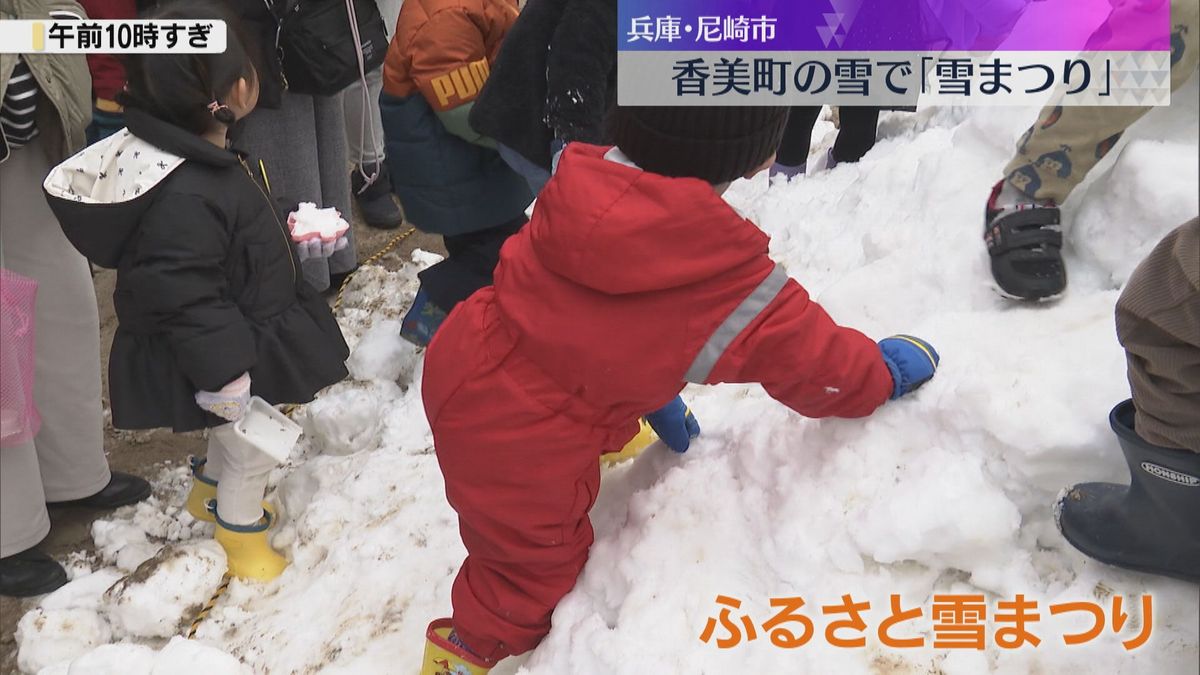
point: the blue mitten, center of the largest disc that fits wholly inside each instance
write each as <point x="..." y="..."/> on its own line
<point x="912" y="361"/>
<point x="675" y="425"/>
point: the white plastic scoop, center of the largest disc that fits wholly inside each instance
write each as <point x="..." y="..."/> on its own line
<point x="265" y="429"/>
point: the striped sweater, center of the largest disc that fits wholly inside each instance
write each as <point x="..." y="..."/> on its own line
<point x="19" y="107"/>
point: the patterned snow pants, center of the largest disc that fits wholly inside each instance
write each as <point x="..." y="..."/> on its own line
<point x="1066" y="142"/>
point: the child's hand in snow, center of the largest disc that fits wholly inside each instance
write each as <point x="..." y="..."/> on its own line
<point x="675" y="425"/>
<point x="316" y="248"/>
<point x="912" y="361"/>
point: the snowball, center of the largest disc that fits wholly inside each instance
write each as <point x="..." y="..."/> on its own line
<point x="381" y="354"/>
<point x="161" y="597"/>
<point x="424" y="259"/>
<point x="50" y="637"/>
<point x="351" y="421"/>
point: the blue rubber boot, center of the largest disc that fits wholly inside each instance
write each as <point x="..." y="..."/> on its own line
<point x="1151" y="525"/>
<point x="422" y="321"/>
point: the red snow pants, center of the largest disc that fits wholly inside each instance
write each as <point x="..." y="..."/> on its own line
<point x="521" y="465"/>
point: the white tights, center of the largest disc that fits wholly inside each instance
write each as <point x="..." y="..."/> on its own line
<point x="241" y="474"/>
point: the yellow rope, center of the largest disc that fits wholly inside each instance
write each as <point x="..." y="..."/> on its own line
<point x="387" y="248"/>
<point x="208" y="606"/>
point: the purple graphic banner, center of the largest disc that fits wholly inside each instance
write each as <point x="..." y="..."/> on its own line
<point x="892" y="25"/>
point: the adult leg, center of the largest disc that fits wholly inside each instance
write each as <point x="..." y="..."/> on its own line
<point x="24" y="570"/>
<point x="369" y="179"/>
<point x="67" y="388"/>
<point x="329" y="122"/>
<point x="24" y="520"/>
<point x="284" y="139"/>
<point x="857" y="134"/>
<point x="364" y="128"/>
<point x="797" y="138"/>
<point x="65" y="460"/>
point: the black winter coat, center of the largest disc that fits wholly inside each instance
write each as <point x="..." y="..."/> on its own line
<point x="574" y="42"/>
<point x="208" y="284"/>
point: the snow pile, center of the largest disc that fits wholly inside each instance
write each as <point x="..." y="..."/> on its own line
<point x="48" y="636"/>
<point x="179" y="657"/>
<point x="949" y="491"/>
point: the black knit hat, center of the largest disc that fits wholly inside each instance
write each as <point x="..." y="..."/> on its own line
<point x="714" y="143"/>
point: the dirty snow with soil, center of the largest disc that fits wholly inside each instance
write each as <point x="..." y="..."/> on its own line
<point x="947" y="491"/>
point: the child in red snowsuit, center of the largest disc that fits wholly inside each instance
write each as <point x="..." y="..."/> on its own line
<point x="633" y="278"/>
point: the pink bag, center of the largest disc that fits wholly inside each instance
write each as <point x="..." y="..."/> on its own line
<point x="19" y="419"/>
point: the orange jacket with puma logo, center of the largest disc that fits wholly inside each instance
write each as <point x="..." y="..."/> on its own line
<point x="445" y="48"/>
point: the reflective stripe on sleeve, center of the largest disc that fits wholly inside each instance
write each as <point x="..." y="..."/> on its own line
<point x="734" y="324"/>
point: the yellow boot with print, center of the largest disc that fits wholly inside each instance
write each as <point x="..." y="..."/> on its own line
<point x="445" y="654"/>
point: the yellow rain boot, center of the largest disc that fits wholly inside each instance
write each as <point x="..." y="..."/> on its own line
<point x="204" y="493"/>
<point x="249" y="555"/>
<point x="204" y="490"/>
<point x="644" y="439"/>
<point x="443" y="657"/>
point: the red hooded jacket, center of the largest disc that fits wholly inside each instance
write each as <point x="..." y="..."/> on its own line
<point x="625" y="285"/>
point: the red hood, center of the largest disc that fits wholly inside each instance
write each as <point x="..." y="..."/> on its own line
<point x="606" y="225"/>
<point x="604" y="302"/>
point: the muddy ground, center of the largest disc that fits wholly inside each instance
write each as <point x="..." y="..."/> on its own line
<point x="146" y="453"/>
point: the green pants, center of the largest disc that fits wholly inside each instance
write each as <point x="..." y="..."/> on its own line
<point x="1064" y="144"/>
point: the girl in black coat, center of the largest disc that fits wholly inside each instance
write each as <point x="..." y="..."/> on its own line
<point x="211" y="304"/>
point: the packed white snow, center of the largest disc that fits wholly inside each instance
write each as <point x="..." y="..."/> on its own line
<point x="947" y="491"/>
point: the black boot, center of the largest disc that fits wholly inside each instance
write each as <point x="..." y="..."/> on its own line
<point x="379" y="210"/>
<point x="30" y="573"/>
<point x="1025" y="246"/>
<point x="1153" y="525"/>
<point x="122" y="490"/>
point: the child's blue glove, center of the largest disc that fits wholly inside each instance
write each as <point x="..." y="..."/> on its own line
<point x="912" y="361"/>
<point x="675" y="425"/>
